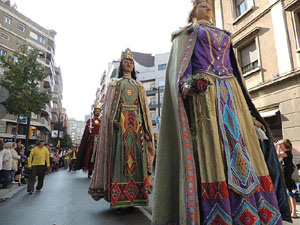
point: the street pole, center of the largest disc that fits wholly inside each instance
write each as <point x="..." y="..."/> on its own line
<point x="27" y="133"/>
<point x="58" y="130"/>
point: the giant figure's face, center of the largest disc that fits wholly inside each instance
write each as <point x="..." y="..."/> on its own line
<point x="97" y="112"/>
<point x="128" y="66"/>
<point x="203" y="12"/>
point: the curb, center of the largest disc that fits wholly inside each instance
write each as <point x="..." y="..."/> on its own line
<point x="11" y="193"/>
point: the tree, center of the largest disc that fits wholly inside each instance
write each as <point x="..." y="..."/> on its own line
<point x="66" y="141"/>
<point x="22" y="77"/>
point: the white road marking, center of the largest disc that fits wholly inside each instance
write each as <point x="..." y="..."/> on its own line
<point x="145" y="212"/>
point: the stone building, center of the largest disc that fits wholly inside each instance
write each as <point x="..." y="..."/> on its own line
<point x="17" y="29"/>
<point x="266" y="40"/>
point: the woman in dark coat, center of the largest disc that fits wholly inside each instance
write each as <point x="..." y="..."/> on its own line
<point x="285" y="153"/>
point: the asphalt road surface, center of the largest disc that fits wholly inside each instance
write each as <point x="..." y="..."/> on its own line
<point x="64" y="201"/>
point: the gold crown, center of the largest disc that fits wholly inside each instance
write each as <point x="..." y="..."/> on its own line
<point x="97" y="106"/>
<point x="196" y="2"/>
<point x="127" y="54"/>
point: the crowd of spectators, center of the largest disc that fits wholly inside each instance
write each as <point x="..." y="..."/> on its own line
<point x="14" y="162"/>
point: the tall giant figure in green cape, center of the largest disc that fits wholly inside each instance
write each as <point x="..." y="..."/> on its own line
<point x="216" y="162"/>
<point x="125" y="151"/>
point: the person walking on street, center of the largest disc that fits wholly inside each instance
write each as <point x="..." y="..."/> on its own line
<point x="36" y="163"/>
<point x="6" y="166"/>
<point x="73" y="158"/>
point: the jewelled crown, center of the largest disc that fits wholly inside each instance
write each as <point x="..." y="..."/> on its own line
<point x="195" y="2"/>
<point x="127" y="54"/>
<point x="97" y="106"/>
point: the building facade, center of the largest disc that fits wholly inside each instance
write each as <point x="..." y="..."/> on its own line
<point x="266" y="40"/>
<point x="76" y="130"/>
<point x="17" y="29"/>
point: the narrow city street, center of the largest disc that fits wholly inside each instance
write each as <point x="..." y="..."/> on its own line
<point x="64" y="201"/>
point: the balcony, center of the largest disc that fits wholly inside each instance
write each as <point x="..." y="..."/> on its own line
<point x="151" y="92"/>
<point x="47" y="82"/>
<point x="46" y="111"/>
<point x="153" y="106"/>
<point x="154" y="90"/>
<point x="55" y="110"/>
<point x="45" y="123"/>
<point x="55" y="99"/>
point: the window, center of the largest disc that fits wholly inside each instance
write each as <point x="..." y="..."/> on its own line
<point x="21" y="28"/>
<point x="2" y="52"/>
<point x="161" y="99"/>
<point x="4" y="36"/>
<point x="41" y="39"/>
<point x="242" y="6"/>
<point x="152" y="86"/>
<point x="19" y="43"/>
<point x="37" y="37"/>
<point x="249" y="58"/>
<point x="162" y="67"/>
<point x="30" y="48"/>
<point x="161" y="83"/>
<point x="152" y="101"/>
<point x="6" y="20"/>
<point x="1" y="71"/>
<point x="153" y="115"/>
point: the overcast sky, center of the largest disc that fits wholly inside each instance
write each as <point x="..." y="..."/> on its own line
<point x="92" y="33"/>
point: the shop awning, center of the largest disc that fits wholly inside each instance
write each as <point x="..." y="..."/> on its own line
<point x="269" y="113"/>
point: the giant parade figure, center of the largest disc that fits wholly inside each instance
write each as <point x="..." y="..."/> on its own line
<point x="125" y="151"/>
<point x="216" y="162"/>
<point x="86" y="154"/>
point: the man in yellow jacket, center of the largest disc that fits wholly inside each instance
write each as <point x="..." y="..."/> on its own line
<point x="39" y="156"/>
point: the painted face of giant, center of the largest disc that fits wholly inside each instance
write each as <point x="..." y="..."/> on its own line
<point x="97" y="112"/>
<point x="128" y="66"/>
<point x="202" y="11"/>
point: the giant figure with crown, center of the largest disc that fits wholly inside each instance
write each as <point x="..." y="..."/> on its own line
<point x="216" y="162"/>
<point x="85" y="157"/>
<point x="125" y="150"/>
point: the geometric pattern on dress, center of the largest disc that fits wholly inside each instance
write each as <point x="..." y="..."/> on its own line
<point x="115" y="193"/>
<point x="192" y="204"/>
<point x="267" y="213"/>
<point x="130" y="128"/>
<point x="240" y="164"/>
<point x="218" y="216"/>
<point x="242" y="176"/>
<point x="216" y="190"/>
<point x="266" y="184"/>
<point x="231" y="122"/>
<point x="131" y="190"/>
<point x="246" y="214"/>
<point x="145" y="189"/>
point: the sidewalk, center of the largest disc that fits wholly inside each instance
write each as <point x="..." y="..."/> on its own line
<point x="10" y="192"/>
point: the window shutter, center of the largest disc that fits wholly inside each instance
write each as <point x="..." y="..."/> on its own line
<point x="249" y="54"/>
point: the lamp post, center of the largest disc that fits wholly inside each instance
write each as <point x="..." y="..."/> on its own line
<point x="27" y="132"/>
<point x="59" y="129"/>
